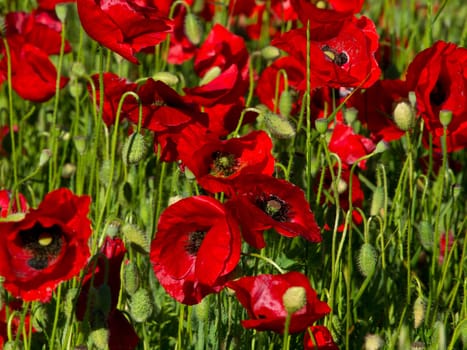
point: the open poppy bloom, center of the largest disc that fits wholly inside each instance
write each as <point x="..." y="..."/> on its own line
<point x="438" y="75"/>
<point x="263" y="202"/>
<point x="48" y="246"/>
<point x="322" y="339"/>
<point x="123" y="26"/>
<point x="262" y="297"/>
<point x="196" y="248"/>
<point x="217" y="163"/>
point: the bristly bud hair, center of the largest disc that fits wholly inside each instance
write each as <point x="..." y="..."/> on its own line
<point x="136" y="236"/>
<point x="367" y="259"/>
<point x="419" y="308"/>
<point x="404" y="116"/>
<point x="294" y="299"/>
<point x="279" y="126"/>
<point x="373" y="342"/>
<point x="439" y="336"/>
<point x="99" y="338"/>
<point x="141" y="305"/>
<point x="134" y="149"/>
<point x="130" y="277"/>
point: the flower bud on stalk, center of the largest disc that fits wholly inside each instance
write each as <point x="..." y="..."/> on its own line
<point x="367" y="258"/>
<point x="134" y="149"/>
<point x="136" y="236"/>
<point x="404" y="116"/>
<point x="141" y="305"/>
<point x="193" y="29"/>
<point x="130" y="277"/>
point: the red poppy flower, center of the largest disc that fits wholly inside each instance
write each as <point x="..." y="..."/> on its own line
<point x="262" y="295"/>
<point x="31" y="39"/>
<point x="48" y="246"/>
<point x="229" y="54"/>
<point x="106" y="270"/>
<point x="50" y="4"/>
<point x="6" y="198"/>
<point x="375" y="107"/>
<point x="217" y="163"/>
<point x="16" y="324"/>
<point x="340" y="55"/>
<point x="123" y="26"/>
<point x="438" y="75"/>
<point x="322" y="339"/>
<point x="263" y="202"/>
<point x="197" y="246"/>
<point x="348" y="145"/>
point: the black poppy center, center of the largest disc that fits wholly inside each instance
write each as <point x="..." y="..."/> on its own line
<point x="44" y="243"/>
<point x="438" y="94"/>
<point x="194" y="241"/>
<point x="224" y="164"/>
<point x="275" y="207"/>
<point x="339" y="58"/>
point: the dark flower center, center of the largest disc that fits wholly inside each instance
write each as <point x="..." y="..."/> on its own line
<point x="224" y="164"/>
<point x="339" y="58"/>
<point x="44" y="243"/>
<point x="274" y="206"/>
<point x="194" y="241"/>
<point x="438" y="94"/>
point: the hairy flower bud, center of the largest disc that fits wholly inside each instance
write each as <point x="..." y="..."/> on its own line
<point x="367" y="258"/>
<point x="130" y="277"/>
<point x="134" y="149"/>
<point x="141" y="305"/>
<point x="404" y="116"/>
<point x="278" y="126"/>
<point x="136" y="236"/>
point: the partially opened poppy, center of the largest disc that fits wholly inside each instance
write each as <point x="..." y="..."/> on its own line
<point x="262" y="202"/>
<point x="124" y="26"/>
<point x="197" y="247"/>
<point x="262" y="297"/>
<point x="48" y="246"/>
<point x="318" y="338"/>
<point x="9" y="204"/>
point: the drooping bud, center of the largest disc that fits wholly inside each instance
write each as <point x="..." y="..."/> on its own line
<point x="134" y="149"/>
<point x="418" y="312"/>
<point x="367" y="258"/>
<point x="141" y="305"/>
<point x="130" y="277"/>
<point x="285" y="103"/>
<point x="136" y="236"/>
<point x="404" y="116"/>
<point x="210" y="75"/>
<point x="294" y="299"/>
<point x="167" y="78"/>
<point x="193" y="29"/>
<point x="13" y="345"/>
<point x="278" y="126"/>
<point x="270" y="53"/>
<point x="68" y="170"/>
<point x="403" y="338"/>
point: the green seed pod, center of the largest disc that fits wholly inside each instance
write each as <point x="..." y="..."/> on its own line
<point x="285" y="103"/>
<point x="367" y="258"/>
<point x="141" y="305"/>
<point x="321" y="125"/>
<point x="404" y="116"/>
<point x="270" y="53"/>
<point x="130" y="277"/>
<point x="99" y="338"/>
<point x="44" y="157"/>
<point x="425" y="231"/>
<point x="136" y="236"/>
<point x="193" y="29"/>
<point x="77" y="70"/>
<point x="210" y="75"/>
<point x="278" y="126"/>
<point x="445" y="117"/>
<point x="377" y="201"/>
<point x="294" y="299"/>
<point x="350" y="115"/>
<point x="419" y="308"/>
<point x="134" y="149"/>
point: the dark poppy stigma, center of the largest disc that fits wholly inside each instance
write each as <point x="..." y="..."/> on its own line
<point x="194" y="241"/>
<point x="44" y="243"/>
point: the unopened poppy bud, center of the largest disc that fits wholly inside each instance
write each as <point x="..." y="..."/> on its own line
<point x="130" y="277"/>
<point x="445" y="117"/>
<point x="404" y="116"/>
<point x="193" y="29"/>
<point x="418" y="312"/>
<point x="61" y="11"/>
<point x="77" y="70"/>
<point x="167" y="78"/>
<point x="321" y="124"/>
<point x="99" y="338"/>
<point x="373" y="342"/>
<point x="134" y="149"/>
<point x="270" y="53"/>
<point x="381" y="146"/>
<point x="113" y="227"/>
<point x="417" y="345"/>
<point x="80" y="144"/>
<point x="285" y="103"/>
<point x="44" y="157"/>
<point x="278" y="126"/>
<point x="76" y="89"/>
<point x="321" y="5"/>
<point x="350" y="115"/>
<point x="141" y="305"/>
<point x="210" y="75"/>
<point x="367" y="258"/>
<point x="136" y="236"/>
<point x="104" y="172"/>
<point x="202" y="310"/>
<point x="68" y="170"/>
<point x="294" y="299"/>
<point x="342" y="186"/>
<point x="377" y="201"/>
<point x="13" y="345"/>
<point x="425" y="232"/>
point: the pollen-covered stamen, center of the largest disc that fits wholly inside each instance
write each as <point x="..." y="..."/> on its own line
<point x="339" y="58"/>
<point x="274" y="206"/>
<point x="224" y="164"/>
<point x="194" y="241"/>
<point x="44" y="243"/>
